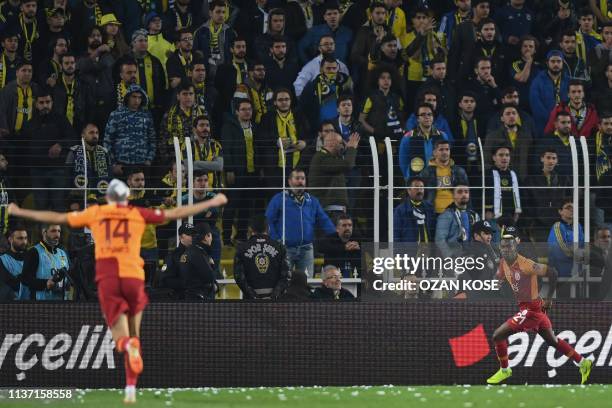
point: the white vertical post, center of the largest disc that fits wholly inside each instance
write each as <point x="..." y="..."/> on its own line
<point x="376" y="173"/>
<point x="179" y="181"/>
<point x="587" y="213"/>
<point x="482" y="168"/>
<point x="390" y="186"/>
<point x="85" y="173"/>
<point x="189" y="155"/>
<point x="282" y="153"/>
<point x="576" y="202"/>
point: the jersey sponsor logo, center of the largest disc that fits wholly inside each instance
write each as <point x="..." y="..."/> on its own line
<point x="91" y="349"/>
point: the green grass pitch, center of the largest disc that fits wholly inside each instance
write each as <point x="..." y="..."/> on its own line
<point x="537" y="396"/>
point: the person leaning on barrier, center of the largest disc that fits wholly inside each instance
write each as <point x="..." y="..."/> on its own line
<point x="196" y="267"/>
<point x="171" y="272"/>
<point x="260" y="264"/>
<point x="331" y="285"/>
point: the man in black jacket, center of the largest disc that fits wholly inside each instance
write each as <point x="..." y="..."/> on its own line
<point x="331" y="286"/>
<point x="171" y="271"/>
<point x="260" y="264"/>
<point x="196" y="267"/>
<point x="342" y="249"/>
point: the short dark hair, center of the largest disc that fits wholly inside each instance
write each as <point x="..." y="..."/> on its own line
<point x="480" y="59"/>
<point x="562" y="113"/>
<point x="424" y="105"/>
<point x="575" y="82"/>
<point x="565" y="200"/>
<point x="486" y="21"/>
<point x="199" y="118"/>
<point x="295" y="171"/>
<point x="508" y="90"/>
<point x="343" y="217"/>
<point x="67" y="55"/>
<point x="585" y="11"/>
<point x="413" y="179"/>
<point x="328" y="59"/>
<point x="469" y="94"/>
<point x="237" y="39"/>
<point x="184" y="85"/>
<point x="605" y="115"/>
<point x="327" y="122"/>
<point x="184" y="30"/>
<point x="216" y="3"/>
<point x="258" y="223"/>
<point x="277" y="12"/>
<point x="376" y="4"/>
<point x="277" y="39"/>
<point x="567" y="33"/>
<point x="127" y="61"/>
<point x="241" y="101"/>
<point x="282" y="90"/>
<point x="440" y="141"/>
<point x="508" y="106"/>
<point x="547" y="149"/>
<point x="499" y="147"/>
<point x="387" y="38"/>
<point x="529" y="37"/>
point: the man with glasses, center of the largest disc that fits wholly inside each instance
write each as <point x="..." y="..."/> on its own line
<point x="255" y="88"/>
<point x="180" y="62"/>
<point x="327" y="47"/>
<point x="331" y="285"/>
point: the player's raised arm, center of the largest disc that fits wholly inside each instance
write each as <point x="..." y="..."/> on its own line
<point x="186" y="211"/>
<point x="49" y="217"/>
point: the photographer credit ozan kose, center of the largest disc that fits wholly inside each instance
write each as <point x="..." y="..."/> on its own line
<point x="408" y="265"/>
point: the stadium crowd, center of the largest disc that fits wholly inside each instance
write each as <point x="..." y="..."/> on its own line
<point x="92" y="90"/>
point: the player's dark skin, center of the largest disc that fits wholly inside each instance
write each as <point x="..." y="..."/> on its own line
<point x="508" y="249"/>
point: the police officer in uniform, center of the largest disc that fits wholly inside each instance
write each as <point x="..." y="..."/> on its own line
<point x="170" y="272"/>
<point x="261" y="269"/>
<point x="197" y="267"/>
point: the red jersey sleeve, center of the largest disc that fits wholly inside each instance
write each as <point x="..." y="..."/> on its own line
<point x="79" y="219"/>
<point x="500" y="272"/>
<point x="155" y="216"/>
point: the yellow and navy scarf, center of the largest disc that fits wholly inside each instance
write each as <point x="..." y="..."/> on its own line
<point x="69" y="100"/>
<point x="208" y="151"/>
<point x="250" y="148"/>
<point x="146" y="65"/>
<point x="563" y="139"/>
<point x="121" y="92"/>
<point x="214" y="39"/>
<point x="602" y="154"/>
<point x="285" y="124"/>
<point x="28" y="38"/>
<point x="24" y="107"/>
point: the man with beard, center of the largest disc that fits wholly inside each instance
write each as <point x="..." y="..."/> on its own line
<point x="205" y="93"/>
<point x="303" y="214"/>
<point x="182" y="15"/>
<point x="584" y="115"/>
<point x="453" y="18"/>
<point x="559" y="140"/>
<point x="29" y="31"/>
<point x="86" y="15"/>
<point x="447" y="92"/>
<point x="9" y="39"/>
<point x="49" y="73"/>
<point x="485" y="87"/>
<point x="510" y="96"/>
<point x="276" y="29"/>
<point x="255" y="88"/>
<point x="229" y="76"/>
<point x="207" y="152"/>
<point x="488" y="45"/>
<point x="454" y="225"/>
<point x="280" y="70"/>
<point x="343" y="249"/>
<point x="601" y="147"/>
<point x="11" y="266"/>
<point x="49" y="137"/>
<point x="128" y="71"/>
<point x="94" y="162"/>
<point x="342" y="35"/>
<point x="549" y="88"/>
<point x="414" y="220"/>
<point x="327" y="47"/>
<point x="72" y="97"/>
<point x="96" y="68"/>
<point x="45" y="267"/>
<point x="180" y="63"/>
<point x="574" y="65"/>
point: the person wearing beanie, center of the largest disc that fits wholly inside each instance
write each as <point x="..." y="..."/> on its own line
<point x="159" y="46"/>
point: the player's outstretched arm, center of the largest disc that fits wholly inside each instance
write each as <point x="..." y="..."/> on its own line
<point x="186" y="211"/>
<point x="49" y="217"/>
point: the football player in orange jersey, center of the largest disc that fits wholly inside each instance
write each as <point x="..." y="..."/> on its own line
<point x="522" y="275"/>
<point x="117" y="230"/>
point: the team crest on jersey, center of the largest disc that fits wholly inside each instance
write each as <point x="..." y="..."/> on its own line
<point x="262" y="262"/>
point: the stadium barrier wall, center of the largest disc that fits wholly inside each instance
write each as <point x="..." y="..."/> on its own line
<point x="233" y="344"/>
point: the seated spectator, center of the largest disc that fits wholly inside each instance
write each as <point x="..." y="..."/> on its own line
<point x="431" y="97"/>
<point x="11" y="266"/>
<point x="416" y="147"/>
<point x="328" y="168"/>
<point x="440" y="175"/>
<point x="130" y="136"/>
<point x="454" y="225"/>
<point x="260" y="264"/>
<point x="331" y="285"/>
<point x="414" y="220"/>
<point x="561" y="241"/>
<point x="559" y="140"/>
<point x="303" y="213"/>
<point x="549" y="87"/>
<point x="342" y="35"/>
<point x="343" y="249"/>
<point x="584" y="116"/>
<point x="502" y="194"/>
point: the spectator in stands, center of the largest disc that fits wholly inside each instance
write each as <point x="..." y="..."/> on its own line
<point x="464" y="41"/>
<point x="414" y="220"/>
<point x="319" y="98"/>
<point x="281" y="71"/>
<point x="171" y="271"/>
<point x="11" y="266"/>
<point x="484" y="86"/>
<point x="9" y="40"/>
<point x="327" y="47"/>
<point x="559" y="140"/>
<point x="261" y="269"/>
<point x="207" y="152"/>
<point x="561" y="241"/>
<point x="548" y="89"/>
<point x="128" y="73"/>
<point x="289" y="125"/>
<point x="214" y="38"/>
<point x="543" y="200"/>
<point x="243" y="167"/>
<point x="503" y="196"/>
<point x="328" y="168"/>
<point x="431" y="96"/>
<point x="416" y="147"/>
<point x="186" y="14"/>
<point x="85" y="16"/>
<point x="488" y="45"/>
<point x="303" y="213"/>
<point x="454" y="225"/>
<point x="48" y="136"/>
<point x="256" y="88"/>
<point x="600" y="57"/>
<point x="45" y="267"/>
<point x="302" y="15"/>
<point x="584" y="116"/>
<point x="231" y="73"/>
<point x="524" y="69"/>
<point x="601" y="148"/>
<point x="519" y="138"/>
<point x="49" y="71"/>
<point x="252" y="21"/>
<point x="601" y="264"/>
<point x="440" y="175"/>
<point x="347" y="125"/>
<point x="343" y="249"/>
<point x="5" y="195"/>
<point x="445" y="91"/>
<point x="467" y="129"/>
<point x="205" y="93"/>
<point x="16" y="101"/>
<point x="55" y="27"/>
<point x="453" y="18"/>
<point x="159" y="46"/>
<point x="276" y="32"/>
<point x="72" y="97"/>
<point x="383" y="110"/>
<point x="514" y="20"/>
<point x="179" y="63"/>
<point x="385" y="52"/>
<point x="331" y="285"/>
<point x="602" y="95"/>
<point x="196" y="267"/>
<point x="342" y="35"/>
<point x="130" y="135"/>
<point x="113" y="36"/>
<point x="510" y="96"/>
<point x="396" y="19"/>
<point x="88" y="168"/>
<point x="587" y="38"/>
<point x="574" y="65"/>
<point x="30" y="47"/>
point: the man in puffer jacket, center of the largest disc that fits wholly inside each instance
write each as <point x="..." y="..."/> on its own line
<point x="130" y="135"/>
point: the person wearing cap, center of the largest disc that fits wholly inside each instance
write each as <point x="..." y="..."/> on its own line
<point x="549" y="88"/>
<point x="9" y="39"/>
<point x="150" y="73"/>
<point x="113" y="36"/>
<point x="454" y="225"/>
<point x="261" y="269"/>
<point x="159" y="46"/>
<point x="117" y="229"/>
<point x="331" y="26"/>
<point x="170" y="276"/>
<point x="197" y="267"/>
<point x="56" y="24"/>
<point x="480" y="249"/>
<point x="130" y="135"/>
